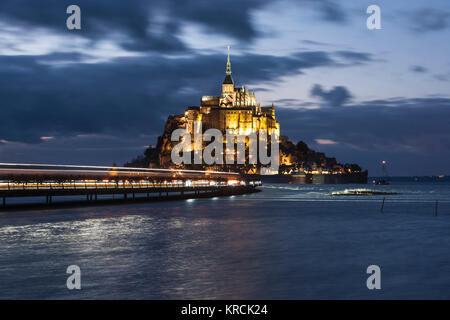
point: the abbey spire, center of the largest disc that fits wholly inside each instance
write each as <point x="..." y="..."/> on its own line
<point x="228" y="62"/>
<point x="228" y="78"/>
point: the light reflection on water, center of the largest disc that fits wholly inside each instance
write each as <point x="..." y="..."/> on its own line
<point x="285" y="242"/>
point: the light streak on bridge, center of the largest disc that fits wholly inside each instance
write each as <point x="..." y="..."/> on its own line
<point x="47" y="180"/>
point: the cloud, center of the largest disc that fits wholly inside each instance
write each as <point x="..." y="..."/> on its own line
<point x="337" y="96"/>
<point x="325" y="141"/>
<point x="143" y="25"/>
<point x="42" y="97"/>
<point x="442" y="77"/>
<point x="418" y="69"/>
<point x="314" y="43"/>
<point x="331" y="11"/>
<point x="417" y="125"/>
<point x="287" y="100"/>
<point x="355" y="57"/>
<point x="297" y="104"/>
<point x="133" y="26"/>
<point x="138" y="26"/>
<point x="20" y="41"/>
<point x="412" y="133"/>
<point x="83" y="149"/>
<point x="260" y="89"/>
<point x="232" y="18"/>
<point x="327" y="10"/>
<point x="430" y="19"/>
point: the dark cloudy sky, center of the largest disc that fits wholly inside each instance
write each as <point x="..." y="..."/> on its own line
<point x="101" y="94"/>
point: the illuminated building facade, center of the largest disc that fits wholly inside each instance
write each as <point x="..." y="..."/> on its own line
<point x="235" y="110"/>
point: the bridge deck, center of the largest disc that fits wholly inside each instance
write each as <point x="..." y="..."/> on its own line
<point x="20" y="180"/>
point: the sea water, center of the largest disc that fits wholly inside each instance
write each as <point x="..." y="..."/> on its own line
<point x="286" y="242"/>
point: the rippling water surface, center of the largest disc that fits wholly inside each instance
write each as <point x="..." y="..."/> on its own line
<point x="287" y="242"/>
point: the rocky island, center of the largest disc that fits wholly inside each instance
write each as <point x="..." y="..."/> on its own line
<point x="238" y="111"/>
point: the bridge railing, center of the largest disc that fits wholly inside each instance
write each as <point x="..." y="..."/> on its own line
<point x="89" y="184"/>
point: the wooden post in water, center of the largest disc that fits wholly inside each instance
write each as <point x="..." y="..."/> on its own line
<point x="436" y="209"/>
<point x="382" y="205"/>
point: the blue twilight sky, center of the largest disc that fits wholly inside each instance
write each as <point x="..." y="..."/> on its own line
<point x="101" y="94"/>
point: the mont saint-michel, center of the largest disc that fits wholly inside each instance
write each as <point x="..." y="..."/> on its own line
<point x="237" y="110"/>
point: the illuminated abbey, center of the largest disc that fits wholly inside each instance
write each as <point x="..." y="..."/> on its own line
<point x="235" y="110"/>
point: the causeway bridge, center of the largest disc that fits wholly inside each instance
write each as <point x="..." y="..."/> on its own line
<point x="48" y="181"/>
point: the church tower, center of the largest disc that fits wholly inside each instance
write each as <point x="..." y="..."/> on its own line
<point x="228" y="84"/>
